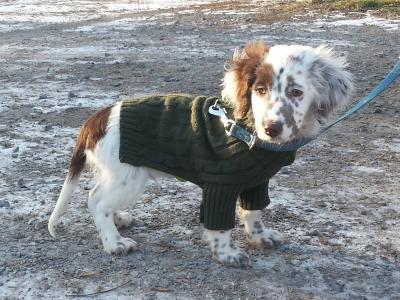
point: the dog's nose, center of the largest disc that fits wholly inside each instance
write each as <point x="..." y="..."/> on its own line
<point x="273" y="128"/>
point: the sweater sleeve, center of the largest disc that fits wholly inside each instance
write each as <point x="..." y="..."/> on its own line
<point x="219" y="205"/>
<point x="255" y="198"/>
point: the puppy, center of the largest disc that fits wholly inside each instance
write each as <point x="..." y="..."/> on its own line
<point x="281" y="93"/>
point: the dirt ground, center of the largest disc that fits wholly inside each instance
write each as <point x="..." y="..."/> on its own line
<point x="337" y="206"/>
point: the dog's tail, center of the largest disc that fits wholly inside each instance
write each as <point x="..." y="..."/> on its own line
<point x="62" y="202"/>
<point x="91" y="132"/>
<point x="78" y="162"/>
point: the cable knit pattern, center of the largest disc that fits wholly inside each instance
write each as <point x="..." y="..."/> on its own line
<point x="176" y="134"/>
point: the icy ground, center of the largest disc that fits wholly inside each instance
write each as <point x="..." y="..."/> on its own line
<point x="337" y="205"/>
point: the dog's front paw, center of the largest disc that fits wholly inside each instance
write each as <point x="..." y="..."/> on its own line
<point x="120" y="245"/>
<point x="225" y="251"/>
<point x="257" y="234"/>
<point x="232" y="257"/>
<point x="264" y="238"/>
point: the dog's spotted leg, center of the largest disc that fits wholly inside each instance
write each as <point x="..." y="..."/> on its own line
<point x="258" y="235"/>
<point x="112" y="241"/>
<point x="122" y="219"/>
<point x="117" y="188"/>
<point x="225" y="251"/>
<point x="102" y="206"/>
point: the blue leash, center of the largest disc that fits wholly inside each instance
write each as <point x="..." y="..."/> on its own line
<point x="251" y="139"/>
<point x="383" y="85"/>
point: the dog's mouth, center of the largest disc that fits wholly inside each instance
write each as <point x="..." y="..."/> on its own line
<point x="279" y="139"/>
<point x="273" y="140"/>
<point x="278" y="133"/>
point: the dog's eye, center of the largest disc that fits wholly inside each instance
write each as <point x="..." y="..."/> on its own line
<point x="296" y="93"/>
<point x="261" y="90"/>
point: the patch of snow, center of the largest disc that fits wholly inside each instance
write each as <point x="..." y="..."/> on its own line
<point x="368" y="20"/>
<point x="186" y="11"/>
<point x="227" y="12"/>
<point x="28" y="14"/>
<point x="305" y="40"/>
<point x="6" y="154"/>
<point x="280" y="194"/>
<point x="57" y="94"/>
<point x="388" y="146"/>
<point x="368" y="170"/>
<point x="37" y="285"/>
<point x="34" y="145"/>
<point x="180" y="229"/>
<point x="120" y="24"/>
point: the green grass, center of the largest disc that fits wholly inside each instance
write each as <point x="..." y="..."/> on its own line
<point x="381" y="8"/>
<point x="357" y="4"/>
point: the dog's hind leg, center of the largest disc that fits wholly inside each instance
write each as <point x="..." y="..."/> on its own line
<point x="122" y="219"/>
<point x="107" y="197"/>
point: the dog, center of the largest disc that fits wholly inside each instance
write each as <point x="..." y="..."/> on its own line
<point x="283" y="93"/>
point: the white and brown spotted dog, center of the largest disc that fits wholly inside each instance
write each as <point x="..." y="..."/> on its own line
<point x="291" y="91"/>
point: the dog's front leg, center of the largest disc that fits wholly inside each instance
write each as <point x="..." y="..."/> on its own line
<point x="225" y="251"/>
<point x="258" y="235"/>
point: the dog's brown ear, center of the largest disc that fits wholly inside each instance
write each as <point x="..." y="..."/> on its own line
<point x="240" y="76"/>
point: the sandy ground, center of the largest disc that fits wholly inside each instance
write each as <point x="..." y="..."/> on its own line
<point x="337" y="206"/>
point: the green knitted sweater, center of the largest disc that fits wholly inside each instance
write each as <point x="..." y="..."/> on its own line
<point x="176" y="134"/>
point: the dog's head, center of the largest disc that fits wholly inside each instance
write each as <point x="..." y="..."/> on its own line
<point x="290" y="89"/>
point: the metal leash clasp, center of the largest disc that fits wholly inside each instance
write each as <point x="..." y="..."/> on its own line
<point x="219" y="111"/>
<point x="230" y="126"/>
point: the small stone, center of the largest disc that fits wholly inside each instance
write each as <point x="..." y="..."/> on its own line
<point x="276" y="267"/>
<point x="378" y="111"/>
<point x="21" y="183"/>
<point x="16" y="149"/>
<point x="182" y="69"/>
<point x="43" y="96"/>
<point x="315" y="233"/>
<point x="18" y="218"/>
<point x="171" y="79"/>
<point x="330" y="223"/>
<point x="7" y="144"/>
<point x="14" y="155"/>
<point x="72" y="95"/>
<point x="48" y="128"/>
<point x="4" y="203"/>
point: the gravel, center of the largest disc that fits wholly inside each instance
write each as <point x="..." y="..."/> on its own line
<point x="337" y="205"/>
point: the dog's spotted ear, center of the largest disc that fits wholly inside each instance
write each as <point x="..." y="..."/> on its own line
<point x="333" y="84"/>
<point x="240" y="76"/>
